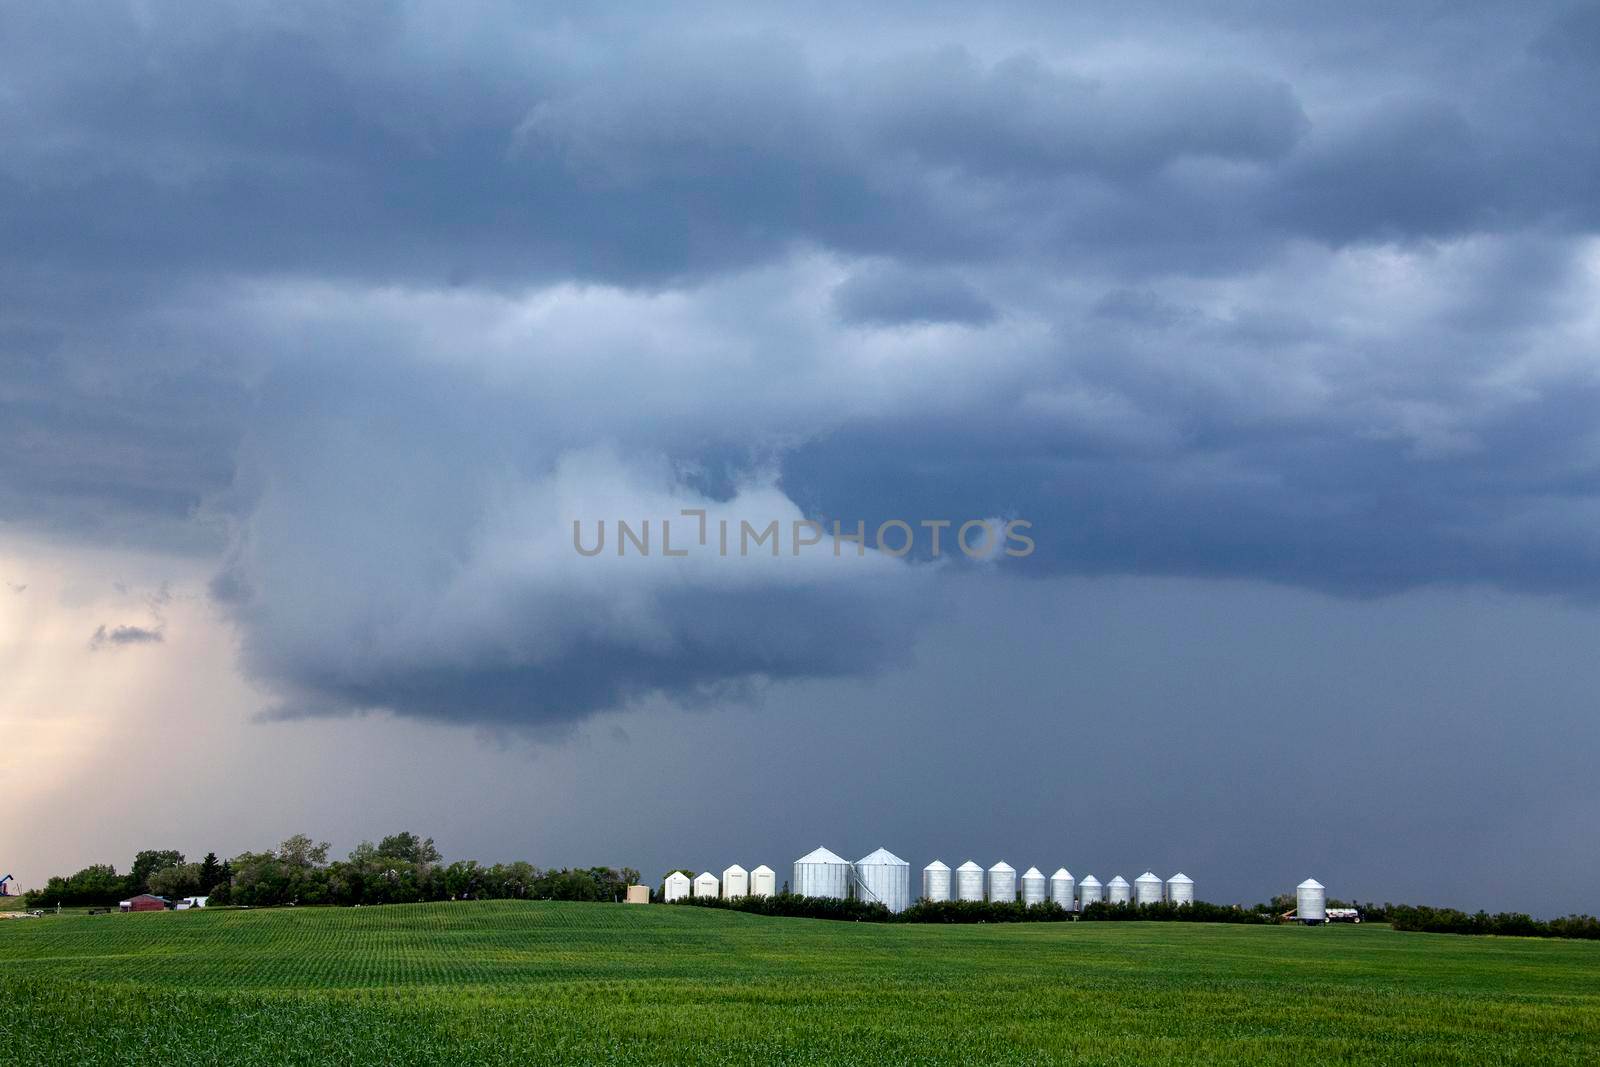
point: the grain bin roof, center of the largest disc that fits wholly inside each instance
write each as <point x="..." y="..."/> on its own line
<point x="822" y="855"/>
<point x="1002" y="867"/>
<point x="1309" y="883"/>
<point x="936" y="866"/>
<point x="885" y="857"/>
<point x="969" y="866"/>
<point x="1061" y="872"/>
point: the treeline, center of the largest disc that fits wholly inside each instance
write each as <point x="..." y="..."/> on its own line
<point x="400" y="869"/>
<point x="973" y="911"/>
<point x="1424" y="919"/>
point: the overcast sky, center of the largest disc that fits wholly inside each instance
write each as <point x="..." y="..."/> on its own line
<point x="1280" y="324"/>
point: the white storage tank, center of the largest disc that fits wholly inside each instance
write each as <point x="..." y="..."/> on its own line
<point x="763" y="882"/>
<point x="823" y="874"/>
<point x="705" y="884"/>
<point x="1089" y="890"/>
<point x="936" y="881"/>
<point x="676" y="888"/>
<point x="1061" y="887"/>
<point x="885" y="878"/>
<point x="1033" y="886"/>
<point x="1180" y="889"/>
<point x="1118" y="891"/>
<point x="735" y="882"/>
<point x="1310" y="902"/>
<point x="1147" y="888"/>
<point x="969" y="881"/>
<point x="1003" y="882"/>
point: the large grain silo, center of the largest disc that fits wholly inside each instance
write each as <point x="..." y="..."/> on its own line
<point x="1061" y="887"/>
<point x="1003" y="882"/>
<point x="969" y="881"/>
<point x="763" y="881"/>
<point x="1090" y="891"/>
<point x="1033" y="886"/>
<point x="705" y="884"/>
<point x="936" y="881"/>
<point x="885" y="878"/>
<point x="676" y="888"/>
<point x="1118" y="891"/>
<point x="1147" y="888"/>
<point x="1310" y="902"/>
<point x="1180" y="889"/>
<point x="823" y="874"/>
<point x="735" y="882"/>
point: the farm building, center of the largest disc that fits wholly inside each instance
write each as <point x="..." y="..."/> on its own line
<point x="1118" y="891"/>
<point x="1180" y="889"/>
<point x="1062" y="886"/>
<point x="885" y="878"/>
<point x="638" y="894"/>
<point x="735" y="882"/>
<point x="1003" y="882"/>
<point x="677" y="886"/>
<point x="706" y="884"/>
<point x="1147" y="888"/>
<point x="1310" y="902"/>
<point x="969" y="881"/>
<point x="144" y="902"/>
<point x="936" y="881"/>
<point x="763" y="881"/>
<point x="1090" y="890"/>
<point x="1033" y="886"/>
<point x="823" y="873"/>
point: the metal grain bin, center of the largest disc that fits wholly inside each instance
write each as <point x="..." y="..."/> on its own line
<point x="1118" y="891"/>
<point x="1062" y="886"/>
<point x="823" y="874"/>
<point x="1090" y="891"/>
<point x="1311" y="902"/>
<point x="1180" y="889"/>
<point x="885" y="878"/>
<point x="969" y="881"/>
<point x="1147" y="888"/>
<point x="936" y="881"/>
<point x="1003" y="882"/>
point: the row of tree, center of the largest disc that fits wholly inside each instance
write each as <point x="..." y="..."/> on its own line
<point x="400" y="869"/>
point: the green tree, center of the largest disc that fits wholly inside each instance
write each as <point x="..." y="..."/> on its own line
<point x="301" y="851"/>
<point x="407" y="846"/>
<point x="177" y="882"/>
<point x="210" y="872"/>
<point x="149" y="862"/>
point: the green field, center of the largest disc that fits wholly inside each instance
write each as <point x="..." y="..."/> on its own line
<point x="529" y="983"/>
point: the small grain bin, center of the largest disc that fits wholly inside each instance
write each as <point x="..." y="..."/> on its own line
<point x="969" y="881"/>
<point x="936" y="882"/>
<point x="1061" y="887"/>
<point x="823" y="874"/>
<point x="1003" y="883"/>
<point x="735" y="882"/>
<point x="1147" y="888"/>
<point x="763" y="882"/>
<point x="1090" y="891"/>
<point x="1310" y="902"/>
<point x="1118" y="891"/>
<point x="1034" y="886"/>
<point x="1180" y="889"/>
<point x="676" y="887"/>
<point x="638" y="894"/>
<point x="884" y="878"/>
<point x="705" y="884"/>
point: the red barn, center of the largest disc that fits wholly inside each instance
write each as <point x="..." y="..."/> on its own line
<point x="145" y="902"/>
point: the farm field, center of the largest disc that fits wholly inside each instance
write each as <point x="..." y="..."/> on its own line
<point x="533" y="983"/>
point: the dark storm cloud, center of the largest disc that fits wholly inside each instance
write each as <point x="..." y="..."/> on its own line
<point x="371" y="295"/>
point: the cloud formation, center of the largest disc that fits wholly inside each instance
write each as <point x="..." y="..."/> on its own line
<point x="368" y="304"/>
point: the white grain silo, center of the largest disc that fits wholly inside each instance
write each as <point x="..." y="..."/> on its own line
<point x="763" y="881"/>
<point x="676" y="888"/>
<point x="823" y="874"/>
<point x="1118" y="891"/>
<point x="936" y="881"/>
<point x="1033" y="886"/>
<point x="1310" y="902"/>
<point x="735" y="882"/>
<point x="885" y="878"/>
<point x="1061" y="887"/>
<point x="1147" y="888"/>
<point x="1003" y="882"/>
<point x="1090" y="891"/>
<point x="969" y="881"/>
<point x="1180" y="889"/>
<point x="705" y="884"/>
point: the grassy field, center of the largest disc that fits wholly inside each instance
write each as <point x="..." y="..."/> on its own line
<point x="532" y="983"/>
